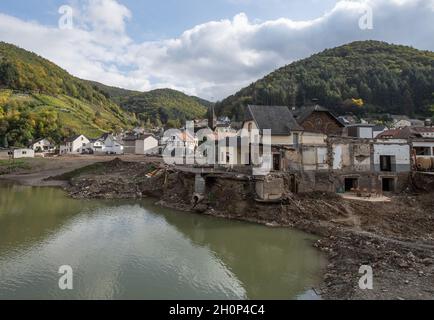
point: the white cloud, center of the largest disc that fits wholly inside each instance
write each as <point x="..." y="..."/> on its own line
<point x="107" y="15"/>
<point x="213" y="59"/>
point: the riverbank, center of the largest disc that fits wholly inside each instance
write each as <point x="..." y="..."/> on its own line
<point x="36" y="172"/>
<point x="396" y="238"/>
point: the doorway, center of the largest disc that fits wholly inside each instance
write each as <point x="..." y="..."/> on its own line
<point x="276" y="162"/>
<point x="388" y="184"/>
<point x="351" y="184"/>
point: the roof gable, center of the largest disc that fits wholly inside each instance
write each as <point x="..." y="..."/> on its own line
<point x="303" y="113"/>
<point x="277" y="118"/>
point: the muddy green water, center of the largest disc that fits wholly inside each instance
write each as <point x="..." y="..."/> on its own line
<point x="136" y="250"/>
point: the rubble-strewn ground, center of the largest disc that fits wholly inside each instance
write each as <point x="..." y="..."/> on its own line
<point x="395" y="238"/>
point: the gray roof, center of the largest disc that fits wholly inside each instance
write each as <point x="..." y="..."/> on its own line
<point x="73" y="138"/>
<point x="380" y="127"/>
<point x="277" y="118"/>
<point x="303" y="113"/>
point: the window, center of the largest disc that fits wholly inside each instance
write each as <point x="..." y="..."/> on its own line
<point x="250" y="127"/>
<point x="387" y="163"/>
<point x="296" y="139"/>
<point x="422" y="151"/>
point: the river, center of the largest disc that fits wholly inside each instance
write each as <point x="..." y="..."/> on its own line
<point x="137" y="250"/>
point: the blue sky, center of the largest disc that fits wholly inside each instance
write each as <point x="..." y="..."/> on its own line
<point x="159" y="19"/>
<point x="209" y="48"/>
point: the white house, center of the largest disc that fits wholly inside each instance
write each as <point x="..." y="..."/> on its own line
<point x="180" y="139"/>
<point x="96" y="145"/>
<point x="22" y="153"/>
<point x="146" y="144"/>
<point x="74" y="145"/>
<point x="361" y="130"/>
<point x="111" y="144"/>
<point x="42" y="145"/>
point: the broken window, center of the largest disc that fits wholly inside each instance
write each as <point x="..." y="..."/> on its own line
<point x="276" y="162"/>
<point x="422" y="151"/>
<point x="387" y="163"/>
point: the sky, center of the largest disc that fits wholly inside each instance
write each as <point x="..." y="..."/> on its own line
<point x="208" y="48"/>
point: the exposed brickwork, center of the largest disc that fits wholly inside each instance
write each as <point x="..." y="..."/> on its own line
<point x="322" y="122"/>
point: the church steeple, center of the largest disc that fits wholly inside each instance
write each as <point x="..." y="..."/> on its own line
<point x="212" y="118"/>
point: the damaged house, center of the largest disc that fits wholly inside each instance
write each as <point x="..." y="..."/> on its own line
<point x="305" y="158"/>
<point x="314" y="161"/>
<point x="319" y="120"/>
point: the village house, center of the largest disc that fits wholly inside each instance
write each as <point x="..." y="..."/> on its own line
<point x="421" y="140"/>
<point x="146" y="144"/>
<point x="361" y="130"/>
<point x="287" y="139"/>
<point x="178" y="139"/>
<point x="319" y="120"/>
<point x="74" y="145"/>
<point x="312" y="161"/>
<point x="96" y="145"/>
<point x="43" y="145"/>
<point x="111" y="145"/>
<point x="129" y="142"/>
<point x="400" y="122"/>
<point x="304" y="158"/>
<point x="20" y="153"/>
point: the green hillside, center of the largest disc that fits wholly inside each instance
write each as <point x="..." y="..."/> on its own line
<point x="387" y="78"/>
<point x="165" y="106"/>
<point x="158" y="107"/>
<point x="39" y="99"/>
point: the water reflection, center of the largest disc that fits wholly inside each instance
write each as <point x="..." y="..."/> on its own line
<point x="136" y="250"/>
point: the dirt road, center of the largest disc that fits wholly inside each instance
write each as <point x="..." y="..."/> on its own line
<point x="39" y="169"/>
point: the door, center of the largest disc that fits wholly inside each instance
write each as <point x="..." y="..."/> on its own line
<point x="276" y="162"/>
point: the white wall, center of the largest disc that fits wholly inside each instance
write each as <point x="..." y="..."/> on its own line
<point x="144" y="146"/>
<point x="79" y="144"/>
<point x="400" y="152"/>
<point x="366" y="133"/>
<point x="24" y="153"/>
<point x="43" y="145"/>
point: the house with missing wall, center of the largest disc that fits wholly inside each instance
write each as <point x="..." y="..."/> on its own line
<point x="421" y="140"/>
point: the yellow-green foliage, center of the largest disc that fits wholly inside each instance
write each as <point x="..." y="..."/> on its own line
<point x="165" y="106"/>
<point x="26" y="117"/>
<point x="39" y="99"/>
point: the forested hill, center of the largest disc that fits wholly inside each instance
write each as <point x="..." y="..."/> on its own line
<point x="158" y="107"/>
<point x="365" y="77"/>
<point x="39" y="99"/>
<point x="164" y="106"/>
